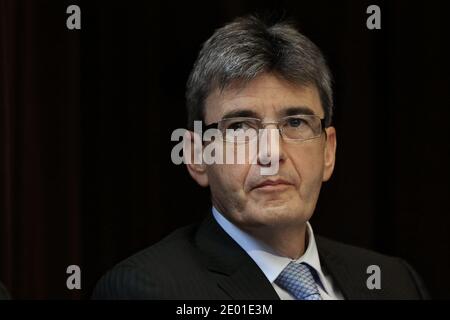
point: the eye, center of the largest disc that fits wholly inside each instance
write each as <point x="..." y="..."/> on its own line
<point x="294" y="122"/>
<point x="239" y="125"/>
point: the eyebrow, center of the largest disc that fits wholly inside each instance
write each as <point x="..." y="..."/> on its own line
<point x="292" y="111"/>
<point x="237" y="113"/>
<point x="289" y="111"/>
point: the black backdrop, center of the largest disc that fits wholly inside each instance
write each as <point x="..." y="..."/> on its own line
<point x="86" y="119"/>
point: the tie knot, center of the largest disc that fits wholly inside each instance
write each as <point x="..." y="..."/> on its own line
<point x="298" y="280"/>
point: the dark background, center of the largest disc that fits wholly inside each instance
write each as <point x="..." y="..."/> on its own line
<point x="86" y="118"/>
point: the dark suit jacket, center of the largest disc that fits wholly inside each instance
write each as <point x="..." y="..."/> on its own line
<point x="4" y="295"/>
<point x="204" y="262"/>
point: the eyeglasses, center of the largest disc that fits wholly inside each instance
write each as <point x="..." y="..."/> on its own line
<point x="294" y="128"/>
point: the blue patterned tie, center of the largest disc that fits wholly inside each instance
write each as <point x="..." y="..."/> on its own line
<point x="298" y="280"/>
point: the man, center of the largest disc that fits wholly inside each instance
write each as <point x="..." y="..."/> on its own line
<point x="257" y="242"/>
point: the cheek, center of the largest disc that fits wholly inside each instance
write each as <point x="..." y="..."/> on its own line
<point x="309" y="165"/>
<point x="228" y="179"/>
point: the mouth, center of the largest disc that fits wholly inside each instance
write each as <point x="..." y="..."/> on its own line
<point x="273" y="185"/>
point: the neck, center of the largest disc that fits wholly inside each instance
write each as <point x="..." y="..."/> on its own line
<point x="287" y="241"/>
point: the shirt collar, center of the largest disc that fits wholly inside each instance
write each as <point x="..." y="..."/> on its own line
<point x="270" y="263"/>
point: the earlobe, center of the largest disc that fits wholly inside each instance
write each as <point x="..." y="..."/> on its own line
<point x="198" y="173"/>
<point x="194" y="158"/>
<point x="329" y="153"/>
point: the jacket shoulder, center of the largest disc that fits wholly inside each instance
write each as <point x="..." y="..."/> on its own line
<point x="159" y="271"/>
<point x="398" y="279"/>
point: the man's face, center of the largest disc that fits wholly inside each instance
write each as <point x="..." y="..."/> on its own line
<point x="239" y="191"/>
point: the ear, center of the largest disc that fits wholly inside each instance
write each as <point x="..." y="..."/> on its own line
<point x="330" y="153"/>
<point x="194" y="158"/>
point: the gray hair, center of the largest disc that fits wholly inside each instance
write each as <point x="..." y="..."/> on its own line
<point x="247" y="47"/>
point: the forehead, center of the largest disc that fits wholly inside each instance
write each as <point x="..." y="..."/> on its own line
<point x="266" y="96"/>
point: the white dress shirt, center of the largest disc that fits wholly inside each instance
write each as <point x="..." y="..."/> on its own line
<point x="272" y="264"/>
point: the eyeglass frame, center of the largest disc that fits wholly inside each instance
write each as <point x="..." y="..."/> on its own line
<point x="215" y="125"/>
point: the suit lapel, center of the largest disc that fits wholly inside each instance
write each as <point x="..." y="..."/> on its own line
<point x="235" y="271"/>
<point x="351" y="284"/>
<point x="247" y="283"/>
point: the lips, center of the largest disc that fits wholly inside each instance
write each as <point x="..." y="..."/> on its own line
<point x="273" y="184"/>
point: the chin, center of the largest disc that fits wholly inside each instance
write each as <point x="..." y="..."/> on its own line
<point x="276" y="215"/>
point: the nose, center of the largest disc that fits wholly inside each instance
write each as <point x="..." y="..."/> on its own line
<point x="269" y="148"/>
